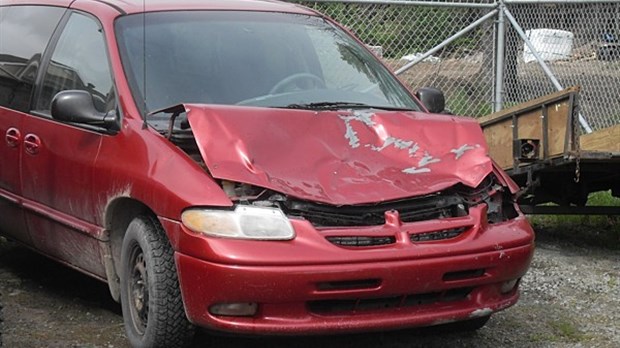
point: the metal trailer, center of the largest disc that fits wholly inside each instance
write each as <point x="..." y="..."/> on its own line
<point x="539" y="144"/>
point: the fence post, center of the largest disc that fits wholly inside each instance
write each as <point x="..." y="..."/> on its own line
<point x="499" y="58"/>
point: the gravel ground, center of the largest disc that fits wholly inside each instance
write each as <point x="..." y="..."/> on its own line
<point x="570" y="298"/>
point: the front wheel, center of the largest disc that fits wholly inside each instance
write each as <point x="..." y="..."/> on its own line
<point x="150" y="296"/>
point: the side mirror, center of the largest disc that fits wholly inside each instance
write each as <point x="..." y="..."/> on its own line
<point x="432" y="98"/>
<point x="77" y="106"/>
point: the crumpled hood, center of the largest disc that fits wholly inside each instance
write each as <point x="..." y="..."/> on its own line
<point x="340" y="157"/>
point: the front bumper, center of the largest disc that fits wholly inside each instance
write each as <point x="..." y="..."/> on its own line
<point x="377" y="288"/>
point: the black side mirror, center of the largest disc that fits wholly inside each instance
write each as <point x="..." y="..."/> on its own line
<point x="432" y="98"/>
<point x="77" y="106"/>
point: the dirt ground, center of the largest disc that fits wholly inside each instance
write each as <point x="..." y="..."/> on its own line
<point x="570" y="298"/>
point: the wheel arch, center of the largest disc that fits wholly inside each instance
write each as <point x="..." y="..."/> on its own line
<point x="118" y="215"/>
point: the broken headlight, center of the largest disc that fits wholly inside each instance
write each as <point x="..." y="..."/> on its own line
<point x="500" y="205"/>
<point x="499" y="200"/>
<point x="245" y="222"/>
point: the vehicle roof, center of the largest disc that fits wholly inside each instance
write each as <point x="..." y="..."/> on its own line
<point x="138" y="6"/>
<point x="134" y="6"/>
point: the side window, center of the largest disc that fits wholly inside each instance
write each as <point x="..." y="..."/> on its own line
<point x="24" y="33"/>
<point x="79" y="62"/>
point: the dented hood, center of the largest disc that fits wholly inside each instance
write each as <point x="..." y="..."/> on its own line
<point x="340" y="157"/>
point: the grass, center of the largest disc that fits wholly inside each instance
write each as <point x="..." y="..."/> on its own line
<point x="460" y="103"/>
<point x="596" y="230"/>
<point x="559" y="330"/>
<point x="566" y="330"/>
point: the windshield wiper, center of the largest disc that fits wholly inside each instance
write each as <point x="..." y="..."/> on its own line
<point x="338" y="106"/>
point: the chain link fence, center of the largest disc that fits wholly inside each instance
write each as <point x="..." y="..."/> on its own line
<point x="577" y="40"/>
<point x="586" y="36"/>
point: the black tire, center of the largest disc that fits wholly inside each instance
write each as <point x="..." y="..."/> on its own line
<point x="150" y="296"/>
<point x="469" y="325"/>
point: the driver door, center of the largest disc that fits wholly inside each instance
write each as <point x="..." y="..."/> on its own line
<point x="58" y="172"/>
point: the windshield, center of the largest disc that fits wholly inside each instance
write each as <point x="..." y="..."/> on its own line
<point x="252" y="59"/>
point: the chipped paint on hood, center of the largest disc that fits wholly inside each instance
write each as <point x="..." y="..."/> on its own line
<point x="340" y="157"/>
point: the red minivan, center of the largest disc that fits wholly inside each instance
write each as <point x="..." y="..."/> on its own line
<point x="247" y="167"/>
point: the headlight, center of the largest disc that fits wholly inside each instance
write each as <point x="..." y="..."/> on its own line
<point x="245" y="222"/>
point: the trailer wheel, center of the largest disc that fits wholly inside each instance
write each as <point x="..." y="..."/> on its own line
<point x="150" y="296"/>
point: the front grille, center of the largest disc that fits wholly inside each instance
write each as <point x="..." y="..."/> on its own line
<point x="360" y="241"/>
<point x="437" y="235"/>
<point x="452" y="202"/>
<point x="416" y="209"/>
<point x="327" y="307"/>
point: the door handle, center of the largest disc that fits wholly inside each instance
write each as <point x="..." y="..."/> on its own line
<point x="13" y="137"/>
<point x="32" y="144"/>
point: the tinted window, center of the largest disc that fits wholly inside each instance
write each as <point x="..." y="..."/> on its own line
<point x="79" y="62"/>
<point x="24" y="33"/>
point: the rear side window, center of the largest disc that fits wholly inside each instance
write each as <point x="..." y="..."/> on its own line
<point x="24" y="33"/>
<point x="79" y="62"/>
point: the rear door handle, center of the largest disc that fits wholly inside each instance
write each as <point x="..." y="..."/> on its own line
<point x="13" y="137"/>
<point x="32" y="144"/>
